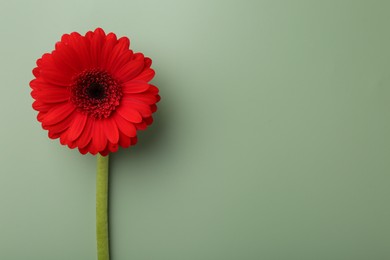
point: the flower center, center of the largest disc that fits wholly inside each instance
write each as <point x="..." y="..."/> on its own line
<point x="95" y="93"/>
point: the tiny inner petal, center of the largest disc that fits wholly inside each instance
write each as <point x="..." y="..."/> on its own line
<point x="95" y="93"/>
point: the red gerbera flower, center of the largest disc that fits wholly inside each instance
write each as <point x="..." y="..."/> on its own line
<point x="92" y="92"/>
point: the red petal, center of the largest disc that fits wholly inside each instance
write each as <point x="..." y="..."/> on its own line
<point x="65" y="70"/>
<point x="71" y="144"/>
<point x="141" y="126"/>
<point x="124" y="140"/>
<point x="39" y="84"/>
<point x="135" y="87"/>
<point x="83" y="150"/>
<point x="64" y="138"/>
<point x="153" y="89"/>
<point x="54" y="95"/>
<point x="148" y="120"/>
<point x="145" y="75"/>
<point x="53" y="135"/>
<point x="79" y="44"/>
<point x="107" y="49"/>
<point x="105" y="152"/>
<point x="111" y="130"/>
<point x="40" y="106"/>
<point x="121" y="46"/>
<point x="86" y="135"/>
<point x="124" y="57"/>
<point x="143" y="97"/>
<point x="134" y="140"/>
<point x="36" y="72"/>
<point x="58" y="113"/>
<point x="99" y="140"/>
<point x="125" y="126"/>
<point x="41" y="115"/>
<point x="68" y="56"/>
<point x="148" y="62"/>
<point x="91" y="148"/>
<point x="131" y="69"/>
<point x="54" y="76"/>
<point x="129" y="113"/>
<point x="89" y="35"/>
<point x="110" y="148"/>
<point x="125" y="42"/>
<point x="60" y="126"/>
<point x="97" y="42"/>
<point x="113" y="147"/>
<point x="141" y="107"/>
<point x="65" y="38"/>
<point x="39" y="61"/>
<point x="153" y="108"/>
<point x="77" y="126"/>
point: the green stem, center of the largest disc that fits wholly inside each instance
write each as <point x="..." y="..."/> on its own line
<point x="101" y="208"/>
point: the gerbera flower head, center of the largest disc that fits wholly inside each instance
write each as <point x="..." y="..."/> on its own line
<point x="93" y="93"/>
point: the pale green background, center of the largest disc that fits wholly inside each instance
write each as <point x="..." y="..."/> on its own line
<point x="271" y="141"/>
